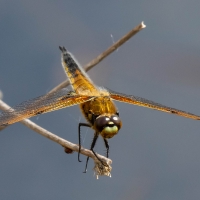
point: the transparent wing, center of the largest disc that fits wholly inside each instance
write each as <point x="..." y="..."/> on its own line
<point x="43" y="104"/>
<point x="149" y="104"/>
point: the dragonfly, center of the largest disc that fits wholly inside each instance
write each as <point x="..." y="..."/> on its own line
<point x="96" y="104"/>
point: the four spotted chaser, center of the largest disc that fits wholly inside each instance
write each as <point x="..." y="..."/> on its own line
<point x="96" y="104"/>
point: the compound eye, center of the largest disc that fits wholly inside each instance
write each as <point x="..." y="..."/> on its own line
<point x="101" y="122"/>
<point x="116" y="120"/>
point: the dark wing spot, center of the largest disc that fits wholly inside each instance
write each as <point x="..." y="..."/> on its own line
<point x="40" y="112"/>
<point x="63" y="98"/>
<point x="173" y="112"/>
<point x="4" y="125"/>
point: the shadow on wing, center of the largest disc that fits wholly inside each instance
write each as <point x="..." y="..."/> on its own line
<point x="43" y="104"/>
<point x="149" y="104"/>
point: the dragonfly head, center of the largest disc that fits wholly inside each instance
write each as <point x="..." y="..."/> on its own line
<point x="108" y="125"/>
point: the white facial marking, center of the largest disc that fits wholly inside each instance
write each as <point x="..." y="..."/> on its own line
<point x="115" y="118"/>
<point x="107" y="119"/>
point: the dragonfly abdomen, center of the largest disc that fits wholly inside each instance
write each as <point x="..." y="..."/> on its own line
<point x="79" y="80"/>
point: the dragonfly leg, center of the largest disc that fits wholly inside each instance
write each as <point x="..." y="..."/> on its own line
<point x="107" y="146"/>
<point x="91" y="148"/>
<point x="79" y="137"/>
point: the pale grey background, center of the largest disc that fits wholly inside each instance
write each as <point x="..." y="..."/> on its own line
<point x="155" y="155"/>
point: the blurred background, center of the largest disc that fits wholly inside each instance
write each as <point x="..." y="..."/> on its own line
<point x="155" y="155"/>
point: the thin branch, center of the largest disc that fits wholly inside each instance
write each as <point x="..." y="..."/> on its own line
<point x="64" y="143"/>
<point x="98" y="168"/>
<point x="106" y="53"/>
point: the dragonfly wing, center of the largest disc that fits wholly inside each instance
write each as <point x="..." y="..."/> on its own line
<point x="43" y="104"/>
<point x="149" y="104"/>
